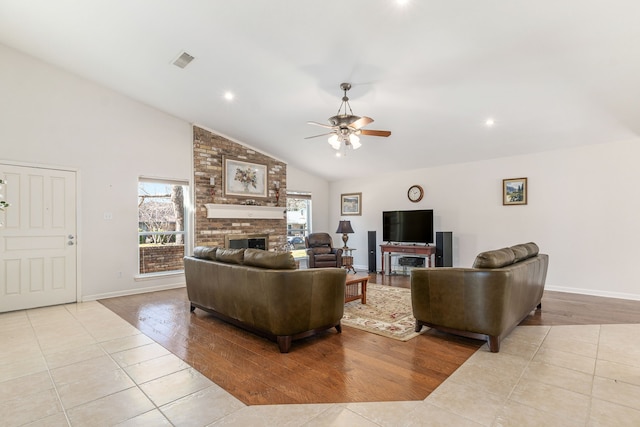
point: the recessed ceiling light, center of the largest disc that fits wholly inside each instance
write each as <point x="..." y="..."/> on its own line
<point x="402" y="2"/>
<point x="229" y="96"/>
<point x="490" y="122"/>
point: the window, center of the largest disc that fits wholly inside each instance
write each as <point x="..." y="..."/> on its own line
<point x="298" y="219"/>
<point x="162" y="225"/>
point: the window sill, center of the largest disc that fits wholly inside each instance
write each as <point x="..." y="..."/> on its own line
<point x="159" y="275"/>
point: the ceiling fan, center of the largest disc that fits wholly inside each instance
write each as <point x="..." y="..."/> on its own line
<point x="346" y="127"/>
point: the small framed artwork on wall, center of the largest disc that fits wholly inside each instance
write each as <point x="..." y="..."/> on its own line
<point x="351" y="204"/>
<point x="514" y="191"/>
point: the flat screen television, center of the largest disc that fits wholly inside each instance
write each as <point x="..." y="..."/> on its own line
<point x="408" y="226"/>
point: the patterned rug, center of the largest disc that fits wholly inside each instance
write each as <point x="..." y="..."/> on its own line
<point x="387" y="313"/>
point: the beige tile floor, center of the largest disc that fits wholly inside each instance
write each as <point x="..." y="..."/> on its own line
<point x="82" y="365"/>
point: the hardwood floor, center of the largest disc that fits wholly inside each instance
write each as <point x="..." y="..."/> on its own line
<point x="560" y="308"/>
<point x="354" y="366"/>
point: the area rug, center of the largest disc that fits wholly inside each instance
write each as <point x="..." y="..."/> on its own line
<point x="387" y="312"/>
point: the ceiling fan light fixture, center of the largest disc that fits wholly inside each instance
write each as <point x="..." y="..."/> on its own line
<point x="355" y="141"/>
<point x="345" y="127"/>
<point x="334" y="141"/>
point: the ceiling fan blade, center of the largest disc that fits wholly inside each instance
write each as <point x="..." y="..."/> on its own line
<point x="316" y="136"/>
<point x="361" y="122"/>
<point x="320" y="124"/>
<point x="375" y="132"/>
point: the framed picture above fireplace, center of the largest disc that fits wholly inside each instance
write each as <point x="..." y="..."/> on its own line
<point x="244" y="178"/>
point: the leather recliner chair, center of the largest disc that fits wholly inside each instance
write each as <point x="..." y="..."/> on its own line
<point x="321" y="251"/>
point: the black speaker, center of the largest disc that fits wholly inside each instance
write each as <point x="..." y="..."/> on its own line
<point x="371" y="235"/>
<point x="444" y="249"/>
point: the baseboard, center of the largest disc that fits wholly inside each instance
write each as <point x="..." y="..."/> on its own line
<point x="361" y="268"/>
<point x="132" y="292"/>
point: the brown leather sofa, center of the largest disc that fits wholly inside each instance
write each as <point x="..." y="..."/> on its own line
<point x="262" y="292"/>
<point x="321" y="251"/>
<point x="486" y="301"/>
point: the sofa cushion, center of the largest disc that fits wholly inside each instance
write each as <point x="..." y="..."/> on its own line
<point x="495" y="259"/>
<point x="525" y="250"/>
<point x="230" y="256"/>
<point x="532" y="248"/>
<point x="272" y="260"/>
<point x="322" y="250"/>
<point x="325" y="258"/>
<point x="520" y="251"/>
<point x="205" y="252"/>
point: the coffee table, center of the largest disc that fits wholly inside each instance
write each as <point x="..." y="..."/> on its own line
<point x="356" y="288"/>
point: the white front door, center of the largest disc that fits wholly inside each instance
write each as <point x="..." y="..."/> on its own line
<point x="37" y="238"/>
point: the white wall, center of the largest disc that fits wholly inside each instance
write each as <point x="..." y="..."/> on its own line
<point x="582" y="210"/>
<point x="50" y="117"/>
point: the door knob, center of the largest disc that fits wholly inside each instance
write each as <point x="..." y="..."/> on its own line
<point x="71" y="236"/>
<point x="70" y="243"/>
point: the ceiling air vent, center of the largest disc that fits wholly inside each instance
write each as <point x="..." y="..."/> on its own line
<point x="183" y="60"/>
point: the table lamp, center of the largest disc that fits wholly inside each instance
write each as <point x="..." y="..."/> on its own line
<point x="344" y="227"/>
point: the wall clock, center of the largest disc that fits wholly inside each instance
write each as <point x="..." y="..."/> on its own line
<point x="415" y="193"/>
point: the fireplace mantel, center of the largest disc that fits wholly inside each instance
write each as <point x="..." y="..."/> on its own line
<point x="245" y="211"/>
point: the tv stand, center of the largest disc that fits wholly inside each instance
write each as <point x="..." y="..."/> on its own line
<point x="389" y="250"/>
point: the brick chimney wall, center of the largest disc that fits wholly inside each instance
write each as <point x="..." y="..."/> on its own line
<point x="208" y="152"/>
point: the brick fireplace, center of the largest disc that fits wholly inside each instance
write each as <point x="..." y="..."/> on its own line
<point x="208" y="152"/>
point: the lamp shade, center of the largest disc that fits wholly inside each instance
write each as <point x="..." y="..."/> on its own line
<point x="344" y="227"/>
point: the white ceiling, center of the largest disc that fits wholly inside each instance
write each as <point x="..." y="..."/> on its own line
<point x="552" y="74"/>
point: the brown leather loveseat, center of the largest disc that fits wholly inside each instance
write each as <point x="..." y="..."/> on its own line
<point x="483" y="302"/>
<point x="263" y="292"/>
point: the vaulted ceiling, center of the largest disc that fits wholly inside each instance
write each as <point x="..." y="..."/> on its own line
<point x="551" y="74"/>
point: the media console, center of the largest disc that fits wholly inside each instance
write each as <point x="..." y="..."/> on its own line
<point x="390" y="250"/>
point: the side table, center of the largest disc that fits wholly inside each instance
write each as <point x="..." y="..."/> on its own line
<point x="347" y="259"/>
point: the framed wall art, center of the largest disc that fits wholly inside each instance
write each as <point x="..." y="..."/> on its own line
<point x="244" y="178"/>
<point x="351" y="204"/>
<point x="514" y="191"/>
